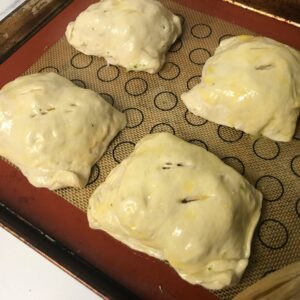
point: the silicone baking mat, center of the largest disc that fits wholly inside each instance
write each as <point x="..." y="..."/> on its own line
<point x="152" y="104"/>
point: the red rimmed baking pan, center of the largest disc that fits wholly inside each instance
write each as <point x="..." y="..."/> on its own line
<point x="124" y="273"/>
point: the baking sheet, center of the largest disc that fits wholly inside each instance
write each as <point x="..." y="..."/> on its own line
<point x="284" y="10"/>
<point x="152" y="103"/>
<point x="19" y="20"/>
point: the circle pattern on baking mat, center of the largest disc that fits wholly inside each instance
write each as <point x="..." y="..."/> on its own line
<point x="266" y="149"/>
<point x="165" y="101"/>
<point x="48" y="69"/>
<point x="122" y="151"/>
<point x="199" y="56"/>
<point x="235" y="163"/>
<point x="225" y="37"/>
<point x="228" y="134"/>
<point x="297" y="207"/>
<point x="79" y="83"/>
<point x="201" y="31"/>
<point x="181" y="17"/>
<point x="193" y="119"/>
<point x="108" y="73"/>
<point x="271" y="187"/>
<point x="176" y="46"/>
<point x="136" y="86"/>
<point x="134" y="117"/>
<point x="108" y="98"/>
<point x="295" y="165"/>
<point x="95" y="172"/>
<point x="81" y="61"/>
<point x="162" y="127"/>
<point x="169" y="71"/>
<point x="273" y="234"/>
<point x="193" y="81"/>
<point x="199" y="143"/>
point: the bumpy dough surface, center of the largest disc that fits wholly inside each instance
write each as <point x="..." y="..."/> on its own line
<point x="135" y="34"/>
<point x="251" y="84"/>
<point x="53" y="130"/>
<point x="283" y="284"/>
<point x="178" y="202"/>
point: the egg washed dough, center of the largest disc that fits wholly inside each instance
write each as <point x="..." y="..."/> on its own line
<point x="135" y="34"/>
<point x="251" y="84"/>
<point x="178" y="202"/>
<point x="53" y="130"/>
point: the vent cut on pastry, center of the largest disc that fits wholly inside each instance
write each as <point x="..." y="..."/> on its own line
<point x="135" y="34"/>
<point x="53" y="130"/>
<point x="178" y="202"/>
<point x="251" y="84"/>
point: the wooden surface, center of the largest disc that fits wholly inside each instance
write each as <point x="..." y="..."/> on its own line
<point x="24" y="22"/>
<point x="286" y="9"/>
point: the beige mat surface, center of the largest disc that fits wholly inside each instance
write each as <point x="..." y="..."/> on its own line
<point x="152" y="104"/>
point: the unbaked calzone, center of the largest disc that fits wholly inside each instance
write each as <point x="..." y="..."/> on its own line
<point x="252" y="84"/>
<point x="135" y="34"/>
<point x="53" y="130"/>
<point x="178" y="202"/>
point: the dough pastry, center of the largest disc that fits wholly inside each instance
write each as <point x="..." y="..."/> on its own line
<point x="135" y="34"/>
<point x="251" y="84"/>
<point x="178" y="202"/>
<point x="53" y="130"/>
<point x="283" y="284"/>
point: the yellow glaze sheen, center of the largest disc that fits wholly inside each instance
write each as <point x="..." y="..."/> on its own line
<point x="251" y="84"/>
<point x="53" y="130"/>
<point x="178" y="202"/>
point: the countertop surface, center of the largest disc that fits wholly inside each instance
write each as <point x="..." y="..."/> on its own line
<point x="27" y="275"/>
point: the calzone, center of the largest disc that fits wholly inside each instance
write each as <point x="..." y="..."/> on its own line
<point x="251" y="84"/>
<point x="135" y="34"/>
<point x="178" y="202"/>
<point x="53" y="130"/>
<point x="283" y="284"/>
